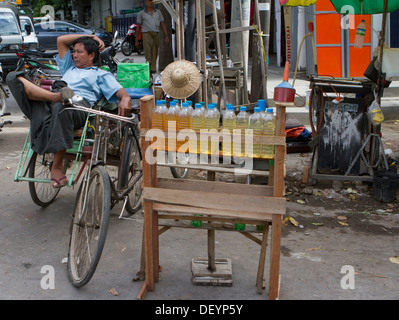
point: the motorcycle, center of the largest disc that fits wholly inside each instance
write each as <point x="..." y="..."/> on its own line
<point x="129" y="43"/>
<point x="107" y="56"/>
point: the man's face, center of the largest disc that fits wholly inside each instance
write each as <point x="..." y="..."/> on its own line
<point x="80" y="56"/>
<point x="149" y="3"/>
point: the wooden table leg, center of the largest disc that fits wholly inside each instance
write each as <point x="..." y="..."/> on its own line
<point x="211" y="234"/>
<point x="275" y="258"/>
<point x="211" y="250"/>
<point x="262" y="258"/>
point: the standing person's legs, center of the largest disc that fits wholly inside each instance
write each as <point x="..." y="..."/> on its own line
<point x="154" y="54"/>
<point x="147" y="46"/>
<point x="150" y="46"/>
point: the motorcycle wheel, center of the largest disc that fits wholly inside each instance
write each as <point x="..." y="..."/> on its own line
<point x="126" y="48"/>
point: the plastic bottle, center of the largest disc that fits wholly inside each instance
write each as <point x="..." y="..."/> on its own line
<point x="269" y="129"/>
<point x="190" y="107"/>
<point x="229" y="123"/>
<point x="211" y="122"/>
<point x="158" y="120"/>
<point x="262" y="107"/>
<point x="256" y="124"/>
<point x="360" y="34"/>
<point x="183" y="122"/>
<point x="171" y="116"/>
<point x="242" y="123"/>
<point x="197" y="123"/>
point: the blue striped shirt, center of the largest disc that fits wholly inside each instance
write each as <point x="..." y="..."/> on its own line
<point x="90" y="83"/>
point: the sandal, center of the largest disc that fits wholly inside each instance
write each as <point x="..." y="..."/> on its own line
<point x="59" y="183"/>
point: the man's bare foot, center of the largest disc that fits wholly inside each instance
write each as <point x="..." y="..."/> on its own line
<point x="58" y="179"/>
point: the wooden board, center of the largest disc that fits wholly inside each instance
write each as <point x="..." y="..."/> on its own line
<point x="231" y="202"/>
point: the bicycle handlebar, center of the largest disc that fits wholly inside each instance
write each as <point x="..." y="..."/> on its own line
<point x="101" y="113"/>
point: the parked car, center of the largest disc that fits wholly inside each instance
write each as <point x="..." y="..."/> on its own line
<point x="30" y="39"/>
<point x="47" y="33"/>
<point x="10" y="36"/>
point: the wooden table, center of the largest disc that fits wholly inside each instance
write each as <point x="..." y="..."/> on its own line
<point x="167" y="202"/>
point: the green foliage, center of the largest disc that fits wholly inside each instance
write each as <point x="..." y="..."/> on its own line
<point x="56" y="4"/>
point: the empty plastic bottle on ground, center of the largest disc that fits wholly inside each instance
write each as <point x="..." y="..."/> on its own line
<point x="256" y="124"/>
<point x="242" y="124"/>
<point x="269" y="129"/>
<point x="197" y="123"/>
<point x="158" y="120"/>
<point x="183" y="122"/>
<point x="229" y="123"/>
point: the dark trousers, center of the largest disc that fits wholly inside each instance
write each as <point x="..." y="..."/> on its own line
<point x="51" y="129"/>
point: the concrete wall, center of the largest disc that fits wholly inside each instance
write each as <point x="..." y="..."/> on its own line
<point x="103" y="8"/>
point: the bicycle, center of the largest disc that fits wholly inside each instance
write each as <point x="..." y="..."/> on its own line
<point x="106" y="140"/>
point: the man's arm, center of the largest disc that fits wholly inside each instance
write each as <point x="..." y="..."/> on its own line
<point x="64" y="42"/>
<point x="165" y="32"/>
<point x="124" y="106"/>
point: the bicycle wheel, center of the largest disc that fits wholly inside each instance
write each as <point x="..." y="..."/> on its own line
<point x="126" y="48"/>
<point x="89" y="227"/>
<point x="132" y="158"/>
<point x="42" y="193"/>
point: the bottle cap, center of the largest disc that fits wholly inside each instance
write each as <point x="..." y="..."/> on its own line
<point x="257" y="109"/>
<point x="197" y="106"/>
<point x="243" y="108"/>
<point x="184" y="104"/>
<point x="262" y="104"/>
<point x="269" y="109"/>
<point x="229" y="106"/>
<point x="172" y="104"/>
<point x="211" y="106"/>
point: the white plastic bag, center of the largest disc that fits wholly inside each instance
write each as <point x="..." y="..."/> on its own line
<point x="375" y="113"/>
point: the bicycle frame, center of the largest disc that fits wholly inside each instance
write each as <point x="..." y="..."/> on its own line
<point x="99" y="152"/>
<point x="27" y="152"/>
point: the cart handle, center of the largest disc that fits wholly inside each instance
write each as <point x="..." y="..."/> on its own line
<point x="101" y="113"/>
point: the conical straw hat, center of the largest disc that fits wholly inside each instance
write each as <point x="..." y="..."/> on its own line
<point x="180" y="79"/>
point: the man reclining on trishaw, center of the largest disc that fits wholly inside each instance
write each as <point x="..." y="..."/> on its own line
<point x="52" y="131"/>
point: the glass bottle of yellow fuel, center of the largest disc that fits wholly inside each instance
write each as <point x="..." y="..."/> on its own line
<point x="171" y="125"/>
<point x="256" y="124"/>
<point x="242" y="124"/>
<point x="269" y="129"/>
<point x="197" y="123"/>
<point x="228" y="123"/>
<point x="183" y="122"/>
<point x="158" y="121"/>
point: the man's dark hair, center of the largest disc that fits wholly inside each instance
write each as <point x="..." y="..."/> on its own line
<point x="91" y="46"/>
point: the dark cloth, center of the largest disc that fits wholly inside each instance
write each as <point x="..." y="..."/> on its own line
<point x="51" y="130"/>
